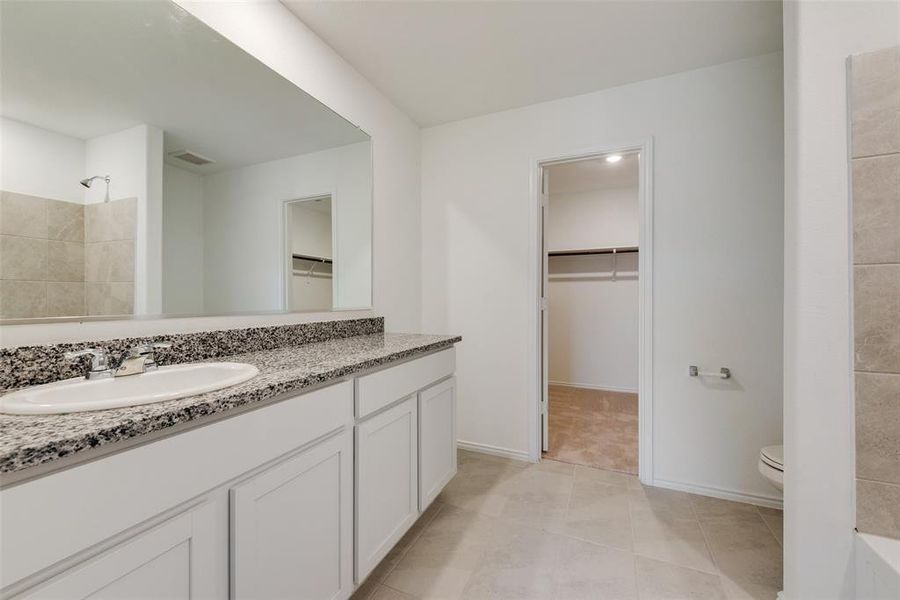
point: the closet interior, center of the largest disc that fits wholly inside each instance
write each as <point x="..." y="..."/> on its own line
<point x="310" y="254"/>
<point x="591" y="229"/>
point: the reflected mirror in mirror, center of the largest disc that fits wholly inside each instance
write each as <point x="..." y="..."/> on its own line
<point x="151" y="167"/>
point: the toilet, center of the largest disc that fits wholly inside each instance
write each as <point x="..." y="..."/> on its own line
<point x="771" y="465"/>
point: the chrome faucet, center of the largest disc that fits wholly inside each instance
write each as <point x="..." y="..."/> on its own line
<point x="137" y="360"/>
<point x="140" y="359"/>
<point x="100" y="368"/>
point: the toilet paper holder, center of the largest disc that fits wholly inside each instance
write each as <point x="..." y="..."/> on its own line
<point x="723" y="373"/>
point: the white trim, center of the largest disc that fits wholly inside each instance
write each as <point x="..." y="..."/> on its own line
<point x="645" y="292"/>
<point x="724" y="494"/>
<point x="287" y="268"/>
<point x="591" y="386"/>
<point x="494" y="450"/>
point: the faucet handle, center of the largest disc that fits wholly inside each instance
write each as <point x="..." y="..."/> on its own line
<point x="145" y="349"/>
<point x="99" y="361"/>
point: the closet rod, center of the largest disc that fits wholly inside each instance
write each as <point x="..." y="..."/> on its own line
<point x="587" y="251"/>
<point x="327" y="261"/>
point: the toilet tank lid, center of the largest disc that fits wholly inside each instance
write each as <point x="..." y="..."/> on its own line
<point x="773" y="454"/>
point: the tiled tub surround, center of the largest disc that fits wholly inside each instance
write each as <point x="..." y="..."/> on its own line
<point x="60" y="259"/>
<point x="875" y="133"/>
<point x="28" y="441"/>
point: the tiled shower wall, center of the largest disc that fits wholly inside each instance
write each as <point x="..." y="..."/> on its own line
<point x="875" y="167"/>
<point x="65" y="259"/>
<point x="41" y="257"/>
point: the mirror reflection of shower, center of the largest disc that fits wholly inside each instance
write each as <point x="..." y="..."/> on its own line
<point x="88" y="181"/>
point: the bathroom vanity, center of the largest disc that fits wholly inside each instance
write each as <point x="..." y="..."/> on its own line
<point x="294" y="484"/>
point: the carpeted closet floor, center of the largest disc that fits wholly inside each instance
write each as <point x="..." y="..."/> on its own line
<point x="594" y="428"/>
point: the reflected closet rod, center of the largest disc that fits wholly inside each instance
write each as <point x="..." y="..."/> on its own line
<point x="587" y="251"/>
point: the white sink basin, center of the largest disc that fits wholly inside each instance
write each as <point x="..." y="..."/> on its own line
<point x="165" y="383"/>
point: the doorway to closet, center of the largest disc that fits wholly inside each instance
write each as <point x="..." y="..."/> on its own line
<point x="590" y="230"/>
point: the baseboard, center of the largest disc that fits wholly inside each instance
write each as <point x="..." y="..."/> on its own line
<point x="702" y="490"/>
<point x="589" y="386"/>
<point x="493" y="450"/>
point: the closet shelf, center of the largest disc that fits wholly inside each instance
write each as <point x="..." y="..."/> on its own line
<point x="588" y="251"/>
<point x="320" y="259"/>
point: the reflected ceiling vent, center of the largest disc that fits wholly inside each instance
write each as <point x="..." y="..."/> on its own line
<point x="191" y="157"/>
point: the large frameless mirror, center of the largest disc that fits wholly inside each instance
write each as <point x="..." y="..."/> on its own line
<point x="151" y="167"/>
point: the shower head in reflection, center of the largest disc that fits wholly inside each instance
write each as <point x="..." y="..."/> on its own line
<point x="88" y="181"/>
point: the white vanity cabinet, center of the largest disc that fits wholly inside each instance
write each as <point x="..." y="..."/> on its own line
<point x="386" y="482"/>
<point x="437" y="439"/>
<point x="175" y="560"/>
<point x="282" y="501"/>
<point x="395" y="447"/>
<point x="291" y="535"/>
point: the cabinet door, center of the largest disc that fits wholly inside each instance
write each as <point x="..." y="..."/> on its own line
<point x="437" y="439"/>
<point x="292" y="527"/>
<point x="386" y="489"/>
<point x="174" y="560"/>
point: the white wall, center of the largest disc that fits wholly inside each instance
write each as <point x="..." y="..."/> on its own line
<point x="818" y="422"/>
<point x="133" y="160"/>
<point x="594" y="219"/>
<point x="271" y="33"/>
<point x="244" y="227"/>
<point x="182" y="242"/>
<point x="594" y="322"/>
<point x="39" y="162"/>
<point x="717" y="264"/>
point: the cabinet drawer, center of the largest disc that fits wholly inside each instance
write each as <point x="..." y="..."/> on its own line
<point x="375" y="391"/>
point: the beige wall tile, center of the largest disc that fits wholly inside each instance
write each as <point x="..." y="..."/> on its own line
<point x="109" y="221"/>
<point x="875" y="102"/>
<point x="109" y="261"/>
<point x="65" y="299"/>
<point x="65" y="261"/>
<point x="877" y="318"/>
<point x="876" y="209"/>
<point x="23" y="299"/>
<point x="65" y="221"/>
<point x="878" y="508"/>
<point x="23" y="258"/>
<point x="23" y="215"/>
<point x="109" y="298"/>
<point x="878" y="427"/>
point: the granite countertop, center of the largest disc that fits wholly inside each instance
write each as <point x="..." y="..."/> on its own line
<point x="29" y="441"/>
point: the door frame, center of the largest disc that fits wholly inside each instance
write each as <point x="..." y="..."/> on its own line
<point x="287" y="265"/>
<point x="645" y="295"/>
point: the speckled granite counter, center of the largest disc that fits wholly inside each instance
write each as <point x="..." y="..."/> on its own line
<point x="30" y="441"/>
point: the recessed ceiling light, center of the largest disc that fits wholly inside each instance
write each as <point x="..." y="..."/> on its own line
<point x="613" y="158"/>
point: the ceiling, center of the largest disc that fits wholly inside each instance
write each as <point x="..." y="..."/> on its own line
<point x="446" y="60"/>
<point x="594" y="174"/>
<point x="86" y="69"/>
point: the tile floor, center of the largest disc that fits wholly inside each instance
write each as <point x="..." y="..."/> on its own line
<point x="594" y="428"/>
<point x="507" y="529"/>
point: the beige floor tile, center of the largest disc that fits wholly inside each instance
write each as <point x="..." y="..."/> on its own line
<point x="774" y="518"/>
<point x="382" y="592"/>
<point x="658" y="580"/>
<point x="741" y="590"/>
<point x="671" y="538"/>
<point x="443" y="558"/>
<point x="381" y="571"/>
<point x="590" y="474"/>
<point x="713" y="508"/>
<point x="520" y="563"/>
<point x="590" y="572"/>
<point x="646" y="499"/>
<point x="597" y="513"/>
<point x="745" y="550"/>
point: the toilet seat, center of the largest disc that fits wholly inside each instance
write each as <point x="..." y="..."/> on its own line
<point x="773" y="456"/>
